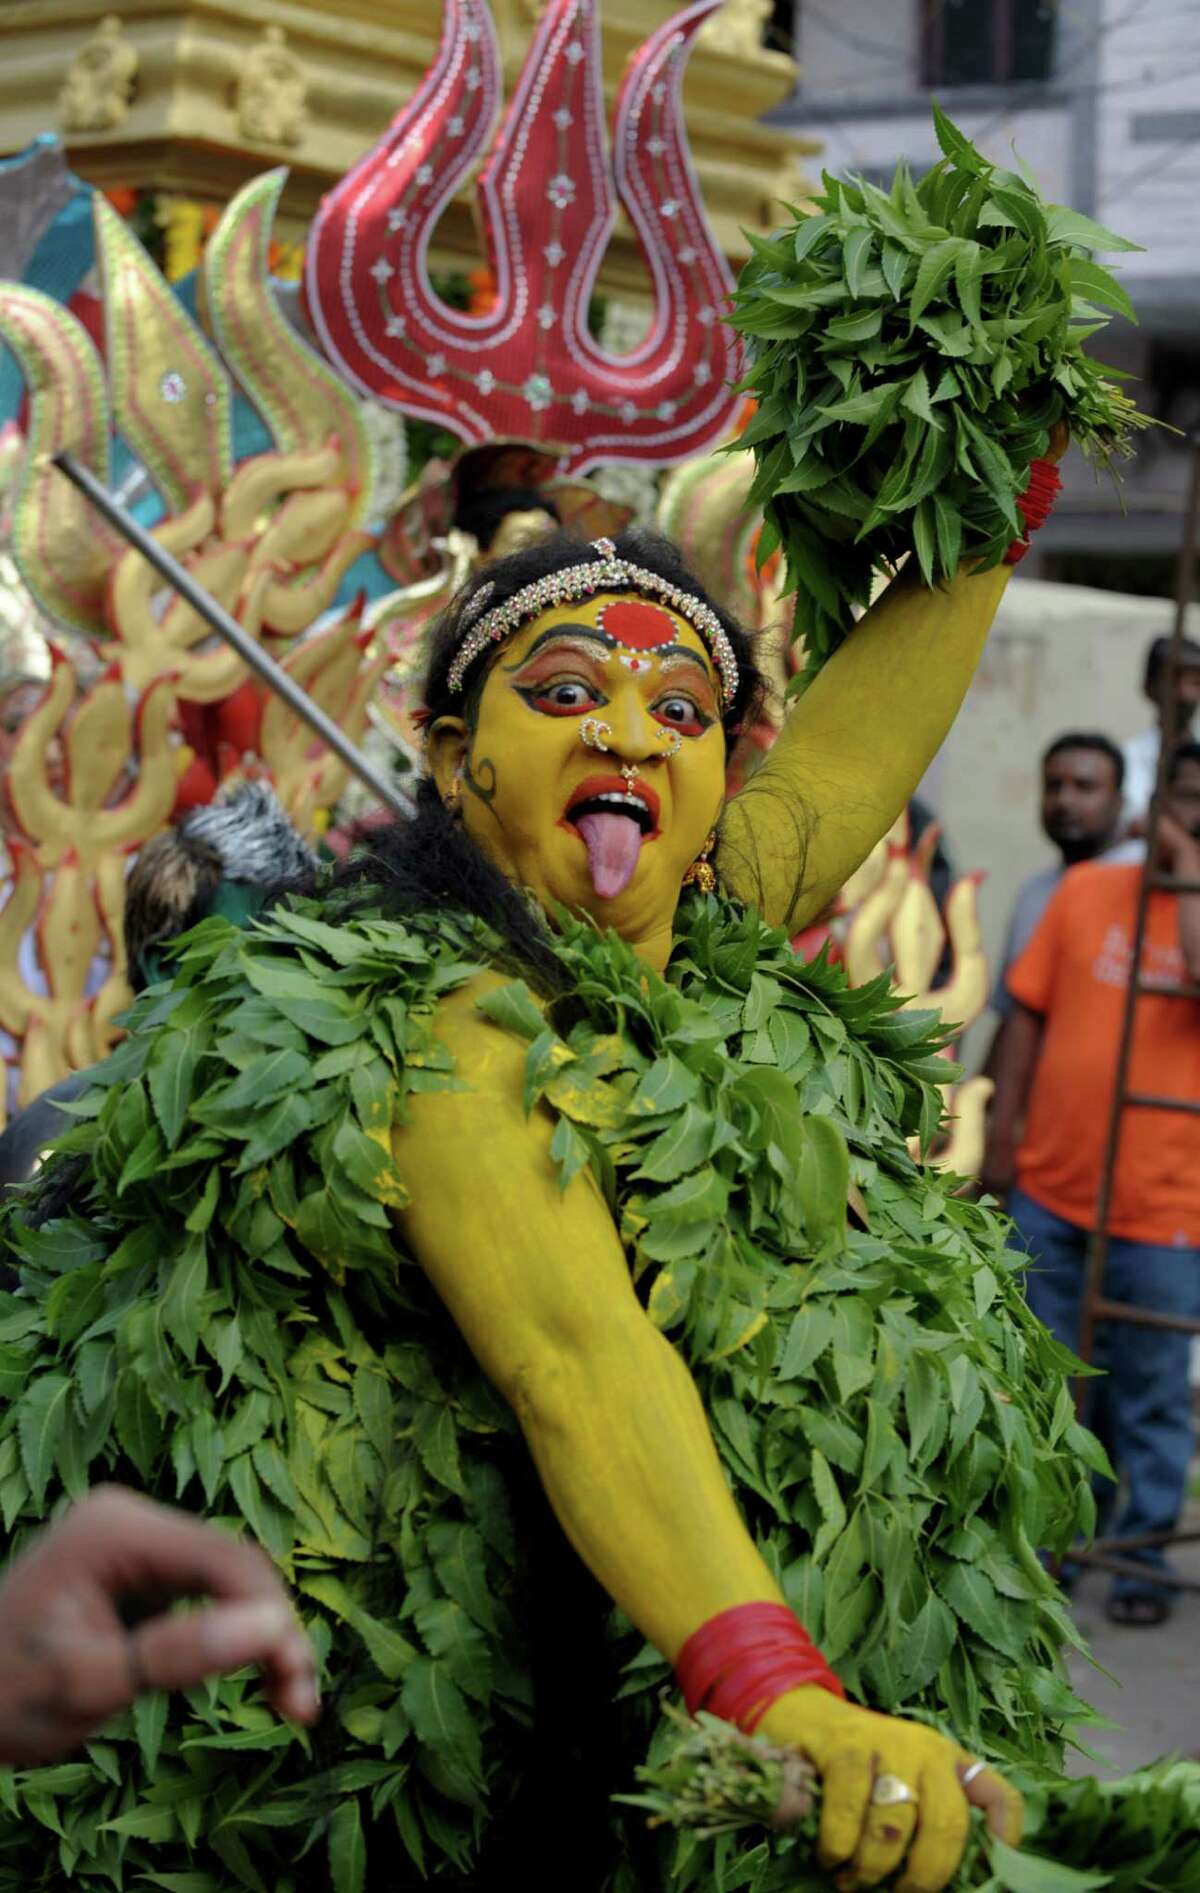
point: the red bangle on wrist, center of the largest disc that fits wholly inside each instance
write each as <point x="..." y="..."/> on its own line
<point x="1034" y="505"/>
<point x="741" y="1661"/>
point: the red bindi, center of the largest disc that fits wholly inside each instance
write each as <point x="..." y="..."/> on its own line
<point x="638" y="627"/>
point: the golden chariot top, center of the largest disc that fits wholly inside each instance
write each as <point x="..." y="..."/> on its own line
<point x="195" y="97"/>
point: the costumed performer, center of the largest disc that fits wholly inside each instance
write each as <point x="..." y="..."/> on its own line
<point x="581" y="701"/>
<point x="580" y="725"/>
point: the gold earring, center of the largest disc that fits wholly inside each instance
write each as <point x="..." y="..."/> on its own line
<point x="450" y="801"/>
<point x="702" y="875"/>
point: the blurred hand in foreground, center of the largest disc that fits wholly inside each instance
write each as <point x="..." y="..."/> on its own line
<point x="68" y="1662"/>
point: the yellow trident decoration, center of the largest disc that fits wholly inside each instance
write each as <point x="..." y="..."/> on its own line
<point x="95" y="771"/>
<point x="894" y="922"/>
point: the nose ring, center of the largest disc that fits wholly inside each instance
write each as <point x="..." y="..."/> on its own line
<point x="675" y="741"/>
<point x="594" y="732"/>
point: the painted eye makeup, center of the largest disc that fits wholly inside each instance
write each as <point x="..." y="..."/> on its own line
<point x="678" y="711"/>
<point x="558" y="681"/>
<point x="559" y="693"/>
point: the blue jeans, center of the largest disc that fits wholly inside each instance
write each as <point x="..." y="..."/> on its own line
<point x="1143" y="1410"/>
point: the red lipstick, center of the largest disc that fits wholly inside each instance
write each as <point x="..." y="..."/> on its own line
<point x="593" y="786"/>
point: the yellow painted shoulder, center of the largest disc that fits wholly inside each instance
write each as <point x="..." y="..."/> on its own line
<point x="488" y="1056"/>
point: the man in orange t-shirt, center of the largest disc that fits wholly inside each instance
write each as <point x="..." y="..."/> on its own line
<point x="1047" y="1134"/>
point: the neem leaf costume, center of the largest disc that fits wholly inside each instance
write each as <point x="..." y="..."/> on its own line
<point x="228" y="1292"/>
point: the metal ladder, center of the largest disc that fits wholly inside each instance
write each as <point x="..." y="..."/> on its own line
<point x="1106" y="1553"/>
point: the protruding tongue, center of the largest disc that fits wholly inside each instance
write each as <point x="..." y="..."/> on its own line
<point x="614" y="843"/>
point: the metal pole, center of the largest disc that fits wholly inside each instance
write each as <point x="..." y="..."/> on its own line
<point x="1130" y="1567"/>
<point x="1147" y="1540"/>
<point x="1186" y="574"/>
<point x="227" y="627"/>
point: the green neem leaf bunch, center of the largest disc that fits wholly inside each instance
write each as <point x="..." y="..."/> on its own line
<point x="716" y="1786"/>
<point x="911" y="352"/>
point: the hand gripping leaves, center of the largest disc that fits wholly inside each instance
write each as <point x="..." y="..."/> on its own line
<point x="217" y="1310"/>
<point x="911" y="353"/>
<point x="1080" y="1836"/>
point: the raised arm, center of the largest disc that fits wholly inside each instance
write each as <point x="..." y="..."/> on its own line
<point x="855" y="746"/>
<point x="536" y="1280"/>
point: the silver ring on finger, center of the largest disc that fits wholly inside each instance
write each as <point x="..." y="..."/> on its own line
<point x="889" y="1792"/>
<point x="970" y="1774"/>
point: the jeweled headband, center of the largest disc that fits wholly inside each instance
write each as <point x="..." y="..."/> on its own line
<point x="608" y="573"/>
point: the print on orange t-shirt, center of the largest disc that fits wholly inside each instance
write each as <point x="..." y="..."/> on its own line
<point x="1074" y="972"/>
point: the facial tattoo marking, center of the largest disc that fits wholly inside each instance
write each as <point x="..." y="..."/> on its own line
<point x="480" y="779"/>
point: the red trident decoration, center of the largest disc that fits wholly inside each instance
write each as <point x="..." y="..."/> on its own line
<point x="528" y="368"/>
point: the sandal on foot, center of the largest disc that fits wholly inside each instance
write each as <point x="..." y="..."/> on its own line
<point x="1138" y="1612"/>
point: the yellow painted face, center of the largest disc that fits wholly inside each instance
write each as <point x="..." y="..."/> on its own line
<point x="596" y="767"/>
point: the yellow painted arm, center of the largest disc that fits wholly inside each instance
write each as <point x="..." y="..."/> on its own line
<point x="855" y="746"/>
<point x="537" y="1282"/>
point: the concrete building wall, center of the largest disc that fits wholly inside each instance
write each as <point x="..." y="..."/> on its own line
<point x="1114" y="130"/>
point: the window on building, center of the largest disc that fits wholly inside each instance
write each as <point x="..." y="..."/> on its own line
<point x="987" y="42"/>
